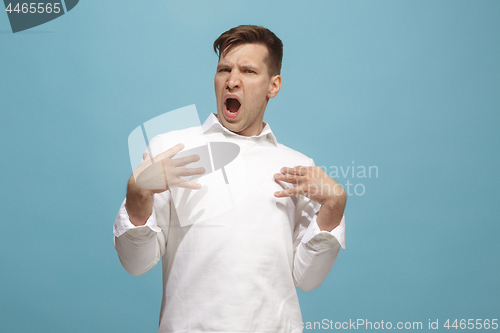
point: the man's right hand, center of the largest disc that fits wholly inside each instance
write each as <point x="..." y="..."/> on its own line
<point x="155" y="176"/>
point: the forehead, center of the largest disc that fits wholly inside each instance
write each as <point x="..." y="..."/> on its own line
<point x="255" y="53"/>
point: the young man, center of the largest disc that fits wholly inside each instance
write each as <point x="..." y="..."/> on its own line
<point x="237" y="271"/>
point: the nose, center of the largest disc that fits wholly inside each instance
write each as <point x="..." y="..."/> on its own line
<point x="233" y="81"/>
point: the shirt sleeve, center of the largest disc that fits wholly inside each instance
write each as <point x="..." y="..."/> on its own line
<point x="122" y="222"/>
<point x="313" y="230"/>
<point x="315" y="250"/>
<point x="140" y="248"/>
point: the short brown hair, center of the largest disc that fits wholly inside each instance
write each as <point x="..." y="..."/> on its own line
<point x="252" y="34"/>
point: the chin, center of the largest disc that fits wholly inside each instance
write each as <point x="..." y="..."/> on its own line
<point x="233" y="127"/>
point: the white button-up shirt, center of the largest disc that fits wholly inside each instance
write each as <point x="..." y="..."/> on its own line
<point x="235" y="271"/>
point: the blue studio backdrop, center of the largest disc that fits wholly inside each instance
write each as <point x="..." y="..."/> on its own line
<point x="397" y="100"/>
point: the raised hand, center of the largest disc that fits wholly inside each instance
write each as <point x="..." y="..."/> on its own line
<point x="163" y="171"/>
<point x="314" y="183"/>
<point x="155" y="175"/>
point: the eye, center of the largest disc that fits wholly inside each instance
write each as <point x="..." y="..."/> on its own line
<point x="249" y="71"/>
<point x="224" y="70"/>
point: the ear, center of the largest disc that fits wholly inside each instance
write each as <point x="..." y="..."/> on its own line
<point x="274" y="86"/>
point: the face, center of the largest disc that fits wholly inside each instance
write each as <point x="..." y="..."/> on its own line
<point x="243" y="87"/>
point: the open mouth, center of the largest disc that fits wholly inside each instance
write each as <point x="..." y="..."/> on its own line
<point x="232" y="105"/>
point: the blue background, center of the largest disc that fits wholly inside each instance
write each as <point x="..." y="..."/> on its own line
<point x="412" y="87"/>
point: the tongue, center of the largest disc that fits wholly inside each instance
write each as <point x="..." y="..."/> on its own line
<point x="232" y="105"/>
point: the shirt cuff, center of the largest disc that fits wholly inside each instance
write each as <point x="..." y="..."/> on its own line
<point x="313" y="230"/>
<point x="123" y="224"/>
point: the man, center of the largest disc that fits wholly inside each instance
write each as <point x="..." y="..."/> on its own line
<point x="286" y="233"/>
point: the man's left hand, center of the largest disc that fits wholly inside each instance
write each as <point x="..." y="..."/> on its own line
<point x="314" y="183"/>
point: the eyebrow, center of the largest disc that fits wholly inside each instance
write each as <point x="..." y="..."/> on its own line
<point x="249" y="66"/>
<point x="223" y="64"/>
<point x="245" y="65"/>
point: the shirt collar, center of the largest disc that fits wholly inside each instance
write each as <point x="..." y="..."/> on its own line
<point x="213" y="121"/>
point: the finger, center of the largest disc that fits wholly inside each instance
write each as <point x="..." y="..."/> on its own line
<point x="289" y="192"/>
<point x="184" y="172"/>
<point x="146" y="156"/>
<point x="298" y="170"/>
<point x="169" y="153"/>
<point x="188" y="185"/>
<point x="293" y="179"/>
<point x="180" y="162"/>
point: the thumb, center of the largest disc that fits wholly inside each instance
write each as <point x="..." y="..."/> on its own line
<point x="146" y="156"/>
